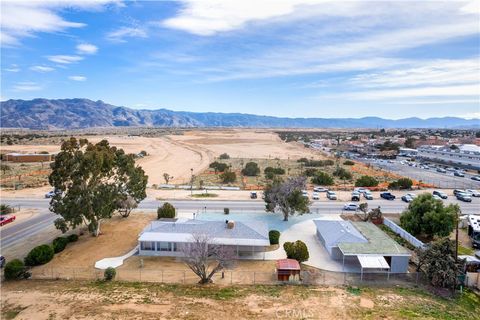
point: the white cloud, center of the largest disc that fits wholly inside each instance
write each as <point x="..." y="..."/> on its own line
<point x="26" y="18"/>
<point x="440" y="91"/>
<point x="27" y="86"/>
<point x="77" y="78"/>
<point x="41" y="69"/>
<point x="64" y="59"/>
<point x="12" y="68"/>
<point x="120" y="34"/>
<point x="86" y="48"/>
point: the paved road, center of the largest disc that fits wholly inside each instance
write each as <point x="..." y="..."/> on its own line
<point x="45" y="218"/>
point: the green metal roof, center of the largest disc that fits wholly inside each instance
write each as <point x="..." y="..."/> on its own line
<point x="378" y="242"/>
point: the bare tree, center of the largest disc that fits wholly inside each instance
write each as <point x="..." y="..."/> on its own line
<point x="205" y="258"/>
<point x="167" y="177"/>
<point x="126" y="205"/>
<point x="287" y="196"/>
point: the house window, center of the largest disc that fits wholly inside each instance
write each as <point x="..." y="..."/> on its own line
<point x="164" y="246"/>
<point x="147" y="245"/>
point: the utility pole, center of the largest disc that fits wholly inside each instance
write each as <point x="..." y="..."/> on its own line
<point x="191" y="182"/>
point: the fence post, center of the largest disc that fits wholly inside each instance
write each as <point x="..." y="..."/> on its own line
<point x="140" y="274"/>
<point x="52" y="273"/>
<point x="162" y="276"/>
<point x="231" y="277"/>
<point x="416" y="279"/>
<point x="254" y="277"/>
<point x="73" y="273"/>
<point x="184" y="272"/>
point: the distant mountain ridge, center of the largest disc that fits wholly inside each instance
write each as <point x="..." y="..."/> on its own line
<point x="84" y="113"/>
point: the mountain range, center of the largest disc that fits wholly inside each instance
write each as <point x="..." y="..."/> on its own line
<point x="56" y="114"/>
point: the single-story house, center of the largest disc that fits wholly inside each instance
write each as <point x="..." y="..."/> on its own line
<point x="165" y="237"/>
<point x="362" y="243"/>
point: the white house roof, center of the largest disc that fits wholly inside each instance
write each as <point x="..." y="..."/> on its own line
<point x="373" y="262"/>
<point x="338" y="231"/>
<point x="182" y="230"/>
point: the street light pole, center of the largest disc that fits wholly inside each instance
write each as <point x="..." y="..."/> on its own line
<point x="191" y="182"/>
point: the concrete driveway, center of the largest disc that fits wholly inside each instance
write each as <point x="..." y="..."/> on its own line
<point x="319" y="257"/>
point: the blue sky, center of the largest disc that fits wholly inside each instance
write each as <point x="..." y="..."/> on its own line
<point x="296" y="58"/>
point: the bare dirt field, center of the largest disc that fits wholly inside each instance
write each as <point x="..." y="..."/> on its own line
<point x="119" y="300"/>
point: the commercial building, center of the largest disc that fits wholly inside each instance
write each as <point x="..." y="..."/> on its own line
<point x="466" y="156"/>
<point x="363" y="244"/>
<point x="166" y="237"/>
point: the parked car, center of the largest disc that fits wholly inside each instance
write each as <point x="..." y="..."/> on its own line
<point x="459" y="174"/>
<point x="387" y="196"/>
<point x="440" y="194"/>
<point x="436" y="197"/>
<point x="360" y="190"/>
<point x="465" y="197"/>
<point x="368" y="195"/>
<point x="407" y="198"/>
<point x="331" y="195"/>
<point x="316" y="196"/>
<point x="6" y="219"/>
<point x="350" y="207"/>
<point x="253" y="195"/>
<point x="50" y="194"/>
<point x="320" y="189"/>
<point x="474" y="193"/>
<point x="476" y="178"/>
<point x="441" y="170"/>
<point x="2" y="261"/>
<point x="458" y="191"/>
<point x="355" y="196"/>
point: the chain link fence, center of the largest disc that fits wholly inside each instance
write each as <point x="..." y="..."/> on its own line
<point x="234" y="277"/>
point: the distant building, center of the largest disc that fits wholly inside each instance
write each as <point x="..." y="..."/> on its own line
<point x="165" y="237"/>
<point x="29" y="157"/>
<point x="466" y="156"/>
<point x="364" y="244"/>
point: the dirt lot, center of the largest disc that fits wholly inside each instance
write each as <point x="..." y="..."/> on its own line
<point x="117" y="300"/>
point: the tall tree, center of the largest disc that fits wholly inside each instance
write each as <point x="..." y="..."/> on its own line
<point x="91" y="181"/>
<point x="287" y="197"/>
<point x="206" y="258"/>
<point x="429" y="217"/>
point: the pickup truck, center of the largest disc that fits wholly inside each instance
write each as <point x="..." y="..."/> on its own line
<point x="387" y="196"/>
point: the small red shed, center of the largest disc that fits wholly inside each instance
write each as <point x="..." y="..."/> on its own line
<point x="287" y="268"/>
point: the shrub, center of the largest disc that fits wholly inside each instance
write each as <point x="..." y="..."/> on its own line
<point x="349" y="163"/>
<point x="274" y="170"/>
<point x="226" y="210"/>
<point x="72" y="238"/>
<point x="143" y="153"/>
<point x="166" y="211"/>
<point x="59" y="244"/>
<point x="296" y="250"/>
<point x="224" y="156"/>
<point x="274" y="236"/>
<point x="14" y="269"/>
<point x="228" y="176"/>
<point x="366" y="181"/>
<point x="5" y="209"/>
<point x="39" y="255"/>
<point x="218" y="166"/>
<point x="322" y="178"/>
<point x="109" y="274"/>
<point x="251" y="169"/>
<point x="310" y="172"/>
<point x="342" y="174"/>
<point x="402" y="183"/>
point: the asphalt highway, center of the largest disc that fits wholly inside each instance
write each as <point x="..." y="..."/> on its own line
<point x="17" y="232"/>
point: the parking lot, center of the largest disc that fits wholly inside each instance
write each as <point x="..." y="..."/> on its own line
<point x="430" y="176"/>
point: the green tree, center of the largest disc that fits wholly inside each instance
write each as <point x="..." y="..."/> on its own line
<point x="39" y="255"/>
<point x="429" y="217"/>
<point x="274" y="236"/>
<point x="14" y="270"/>
<point x="218" y="166"/>
<point x="224" y="156"/>
<point x="296" y="250"/>
<point x="438" y="263"/>
<point x="5" y="168"/>
<point x="410" y="142"/>
<point x="251" y="169"/>
<point x="228" y="176"/>
<point x="366" y="181"/>
<point x="166" y="211"/>
<point x="166" y="177"/>
<point x="322" y="178"/>
<point x="342" y="173"/>
<point x="402" y="184"/>
<point x="348" y="163"/>
<point x="91" y="178"/>
<point x="287" y="197"/>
